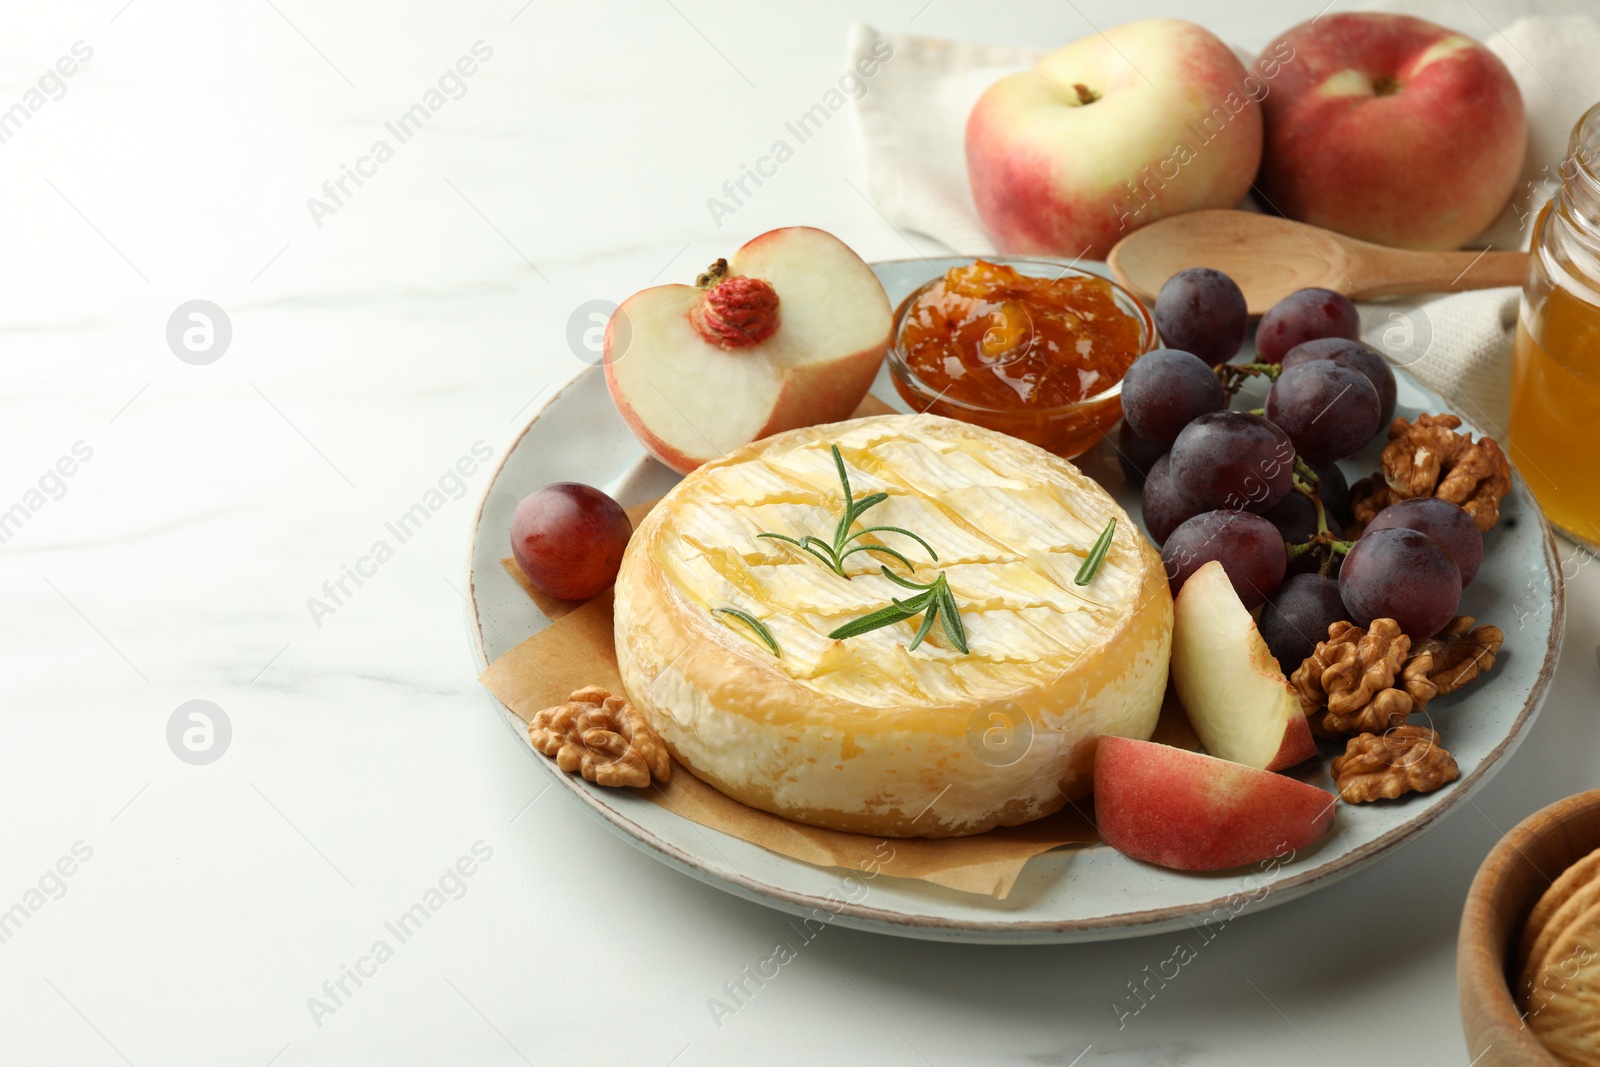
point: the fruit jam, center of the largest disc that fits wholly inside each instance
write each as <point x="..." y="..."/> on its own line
<point x="1555" y="383"/>
<point x="1031" y="355"/>
<point x="989" y="336"/>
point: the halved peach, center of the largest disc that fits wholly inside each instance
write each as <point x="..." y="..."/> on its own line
<point x="789" y="331"/>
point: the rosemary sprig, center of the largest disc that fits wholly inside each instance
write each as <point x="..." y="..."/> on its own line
<point x="832" y="554"/>
<point x="1096" y="556"/>
<point x="755" y="624"/>
<point x="934" y="601"/>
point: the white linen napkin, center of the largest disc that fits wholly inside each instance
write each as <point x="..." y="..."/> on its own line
<point x="913" y="119"/>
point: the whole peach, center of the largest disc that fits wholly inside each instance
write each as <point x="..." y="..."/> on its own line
<point x="1110" y="133"/>
<point x="1391" y="129"/>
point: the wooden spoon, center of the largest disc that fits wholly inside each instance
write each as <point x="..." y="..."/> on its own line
<point x="1271" y="257"/>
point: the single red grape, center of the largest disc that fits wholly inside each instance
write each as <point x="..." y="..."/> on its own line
<point x="1232" y="460"/>
<point x="1135" y="455"/>
<point x="1334" y="490"/>
<point x="1305" y="315"/>
<point x="1165" y="390"/>
<point x="1298" y="617"/>
<point x="1165" y="506"/>
<point x="1356" y="356"/>
<point x="1328" y="410"/>
<point x="1249" y="548"/>
<point x="568" y="539"/>
<point x="1441" y="520"/>
<point x="1401" y="575"/>
<point x="1201" y="310"/>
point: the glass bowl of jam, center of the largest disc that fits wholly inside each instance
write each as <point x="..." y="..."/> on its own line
<point x="1031" y="348"/>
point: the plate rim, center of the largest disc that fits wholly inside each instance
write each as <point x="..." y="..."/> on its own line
<point x="907" y="923"/>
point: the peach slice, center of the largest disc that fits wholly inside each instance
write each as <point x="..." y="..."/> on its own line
<point x="1238" y="701"/>
<point x="788" y="332"/>
<point x="1195" y="812"/>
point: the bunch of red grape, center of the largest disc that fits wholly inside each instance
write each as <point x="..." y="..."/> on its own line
<point x="1261" y="491"/>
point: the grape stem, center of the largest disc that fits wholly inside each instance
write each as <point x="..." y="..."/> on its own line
<point x="1307" y="482"/>
<point x="1233" y="375"/>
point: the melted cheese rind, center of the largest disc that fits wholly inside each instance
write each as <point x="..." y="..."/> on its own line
<point x="864" y="735"/>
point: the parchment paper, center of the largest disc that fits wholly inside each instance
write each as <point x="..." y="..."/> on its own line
<point x="577" y="649"/>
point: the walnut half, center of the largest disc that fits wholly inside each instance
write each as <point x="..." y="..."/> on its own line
<point x="602" y="737"/>
<point x="1458" y="653"/>
<point x="1429" y="458"/>
<point x="1404" y="759"/>
<point x="1348" y="679"/>
<point x="1366" y="681"/>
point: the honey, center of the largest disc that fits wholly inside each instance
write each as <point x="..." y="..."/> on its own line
<point x="1555" y="386"/>
<point x="1036" y="355"/>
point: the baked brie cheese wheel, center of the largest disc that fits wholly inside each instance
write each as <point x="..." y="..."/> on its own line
<point x="864" y="734"/>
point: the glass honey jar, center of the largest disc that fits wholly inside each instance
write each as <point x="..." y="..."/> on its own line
<point x="1555" y="385"/>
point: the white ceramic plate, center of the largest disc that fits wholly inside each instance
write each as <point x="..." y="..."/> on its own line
<point x="1078" y="894"/>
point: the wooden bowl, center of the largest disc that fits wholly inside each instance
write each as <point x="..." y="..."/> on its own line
<point x="1511" y="880"/>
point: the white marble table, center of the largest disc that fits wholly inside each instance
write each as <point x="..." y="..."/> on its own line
<point x="375" y="341"/>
